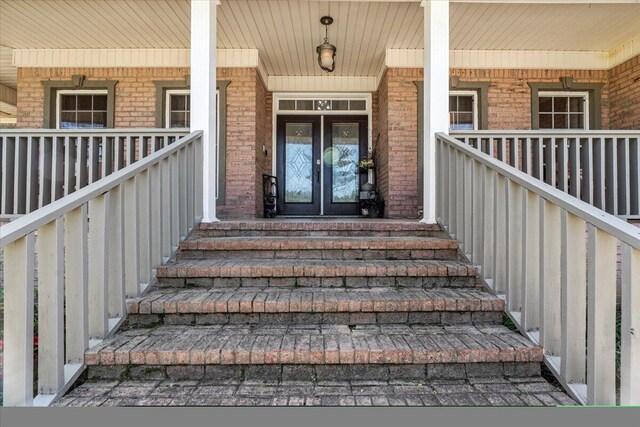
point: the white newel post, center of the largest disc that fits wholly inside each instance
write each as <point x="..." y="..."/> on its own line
<point x="436" y="94"/>
<point x="203" y="96"/>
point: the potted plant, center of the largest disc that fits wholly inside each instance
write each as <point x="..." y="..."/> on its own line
<point x="365" y="165"/>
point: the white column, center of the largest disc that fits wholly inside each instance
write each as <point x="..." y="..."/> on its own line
<point x="203" y="96"/>
<point x="436" y="93"/>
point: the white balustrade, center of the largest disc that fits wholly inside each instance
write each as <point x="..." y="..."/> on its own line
<point x="598" y="167"/>
<point x="107" y="231"/>
<point x="42" y="165"/>
<point x="559" y="282"/>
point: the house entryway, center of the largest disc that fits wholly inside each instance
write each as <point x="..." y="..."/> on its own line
<point x="317" y="164"/>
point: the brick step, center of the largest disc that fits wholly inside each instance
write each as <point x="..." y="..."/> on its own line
<point x="320" y="351"/>
<point x="323" y="247"/>
<point x="317" y="273"/>
<point x="326" y="227"/>
<point x="315" y="306"/>
<point x="232" y="391"/>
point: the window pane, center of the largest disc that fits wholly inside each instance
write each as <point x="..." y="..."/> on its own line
<point x="188" y="119"/>
<point x="576" y="104"/>
<point x="178" y="102"/>
<point x="577" y="121"/>
<point x="544" y="104"/>
<point x="298" y="180"/>
<point x="178" y="119"/>
<point x="340" y="104"/>
<point x="560" y="121"/>
<point x="304" y="104"/>
<point x="322" y="105"/>
<point x="84" y="102"/>
<point x="465" y="119"/>
<point x="560" y="104"/>
<point x="546" y="121"/>
<point x="358" y="105"/>
<point x="100" y="102"/>
<point x="68" y="120"/>
<point x="287" y="104"/>
<point x="68" y="102"/>
<point x="84" y="119"/>
<point x="453" y="103"/>
<point x="465" y="103"/>
<point x="99" y="119"/>
<point x="346" y="153"/>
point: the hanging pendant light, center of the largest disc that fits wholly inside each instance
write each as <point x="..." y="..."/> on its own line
<point x="326" y="51"/>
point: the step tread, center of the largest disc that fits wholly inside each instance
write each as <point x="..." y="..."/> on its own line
<point x="313" y="344"/>
<point x="534" y="391"/>
<point x="312" y="300"/>
<point x="256" y="267"/>
<point x="320" y="225"/>
<point x="317" y="243"/>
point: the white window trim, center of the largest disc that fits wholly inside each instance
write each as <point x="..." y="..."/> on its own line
<point x="474" y="95"/>
<point x="575" y="94"/>
<point x="167" y="105"/>
<point x="74" y="92"/>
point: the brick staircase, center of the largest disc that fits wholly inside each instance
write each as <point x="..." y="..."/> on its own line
<point x="316" y="313"/>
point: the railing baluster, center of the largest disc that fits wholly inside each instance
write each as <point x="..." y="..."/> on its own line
<point x="575" y="168"/>
<point x="32" y="174"/>
<point x="174" y="179"/>
<point x="634" y="176"/>
<point x="460" y="200"/>
<point x="453" y="197"/>
<point x="155" y="218"/>
<point x="514" y="245"/>
<point x="622" y="176"/>
<point x="98" y="266"/>
<point x="45" y="171"/>
<point x="190" y="185"/>
<point x="611" y="176"/>
<point x="573" y="277"/>
<point x="562" y="160"/>
<point x="550" y="274"/>
<point x="198" y="177"/>
<point x="116" y="283"/>
<point x="601" y="315"/>
<point x="530" y="260"/>
<point x="81" y="163"/>
<point x="76" y="281"/>
<point x="630" y="327"/>
<point x="182" y="192"/>
<point x="488" y="223"/>
<point x="51" y="307"/>
<point x="57" y="168"/>
<point x="20" y="178"/>
<point x="8" y="178"/>
<point x="131" y="242"/>
<point x="501" y="232"/>
<point x="69" y="165"/>
<point x="478" y="200"/>
<point x="599" y="168"/>
<point x="165" y="209"/>
<point x="467" y="183"/>
<point x="144" y="227"/>
<point x="19" y="263"/>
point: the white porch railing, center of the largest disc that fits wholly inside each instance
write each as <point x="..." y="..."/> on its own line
<point x="95" y="247"/>
<point x="598" y="167"/>
<point x="559" y="283"/>
<point x="40" y="166"/>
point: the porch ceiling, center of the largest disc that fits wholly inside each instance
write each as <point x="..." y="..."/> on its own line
<point x="286" y="31"/>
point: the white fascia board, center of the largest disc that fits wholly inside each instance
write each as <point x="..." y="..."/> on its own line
<point x="108" y="58"/>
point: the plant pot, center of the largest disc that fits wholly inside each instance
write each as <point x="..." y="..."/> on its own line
<point x="367" y="186"/>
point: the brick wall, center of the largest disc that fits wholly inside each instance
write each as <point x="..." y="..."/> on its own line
<point x="135" y="107"/>
<point x="624" y="87"/>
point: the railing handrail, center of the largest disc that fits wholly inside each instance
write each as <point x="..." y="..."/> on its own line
<point x="90" y="131"/>
<point x="36" y="219"/>
<point x="614" y="226"/>
<point x="541" y="132"/>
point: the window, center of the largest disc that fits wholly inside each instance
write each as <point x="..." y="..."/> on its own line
<point x="563" y="110"/>
<point x="81" y="109"/>
<point x="463" y="110"/>
<point x="178" y="114"/>
<point x="322" y="105"/>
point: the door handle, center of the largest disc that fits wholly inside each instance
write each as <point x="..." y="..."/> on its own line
<point x="318" y="171"/>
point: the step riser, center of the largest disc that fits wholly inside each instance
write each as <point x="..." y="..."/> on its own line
<point x="333" y="254"/>
<point x="322" y="282"/>
<point x="404" y="318"/>
<point x="288" y="372"/>
<point x="311" y="233"/>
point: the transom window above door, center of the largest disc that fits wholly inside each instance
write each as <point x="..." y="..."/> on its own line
<point x="178" y="104"/>
<point x="563" y="110"/>
<point x="463" y="110"/>
<point x="81" y="109"/>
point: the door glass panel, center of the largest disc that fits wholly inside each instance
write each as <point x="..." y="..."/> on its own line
<point x="299" y="163"/>
<point x="346" y="154"/>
